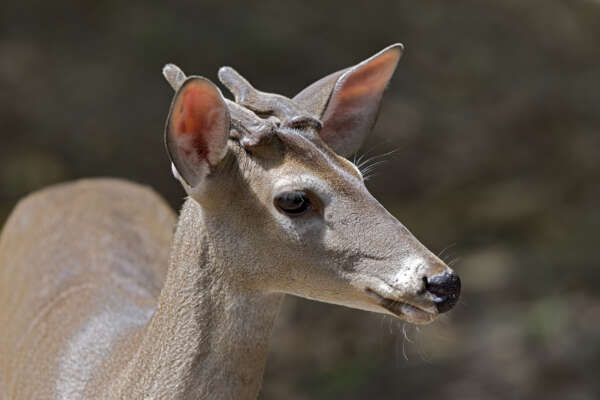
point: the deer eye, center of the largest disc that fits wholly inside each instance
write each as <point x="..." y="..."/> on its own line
<point x="292" y="203"/>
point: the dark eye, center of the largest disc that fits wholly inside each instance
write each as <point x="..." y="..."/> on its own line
<point x="292" y="203"/>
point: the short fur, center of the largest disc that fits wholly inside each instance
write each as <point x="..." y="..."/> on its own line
<point x="100" y="299"/>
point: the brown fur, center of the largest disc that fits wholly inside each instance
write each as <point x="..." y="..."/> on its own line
<point x="99" y="299"/>
<point x="67" y="250"/>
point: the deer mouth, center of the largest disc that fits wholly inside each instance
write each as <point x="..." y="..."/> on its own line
<point x="400" y="308"/>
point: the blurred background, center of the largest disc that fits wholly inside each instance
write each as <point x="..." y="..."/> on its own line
<point x="494" y="113"/>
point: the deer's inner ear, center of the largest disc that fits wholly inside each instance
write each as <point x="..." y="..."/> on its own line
<point x="348" y="101"/>
<point x="197" y="129"/>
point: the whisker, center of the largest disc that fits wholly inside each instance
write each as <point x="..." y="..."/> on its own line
<point x="424" y="355"/>
<point x="358" y="158"/>
<point x="363" y="163"/>
<point x="421" y="348"/>
<point x="368" y="177"/>
<point x="454" y="261"/>
<point x="364" y="157"/>
<point x="405" y="334"/>
<point x="446" y="248"/>
<point x="404" y="351"/>
<point x="365" y="154"/>
<point x="371" y="167"/>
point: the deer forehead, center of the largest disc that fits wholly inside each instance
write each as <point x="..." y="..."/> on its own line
<point x="305" y="150"/>
<point x="297" y="160"/>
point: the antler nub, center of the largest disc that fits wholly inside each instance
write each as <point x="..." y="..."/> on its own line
<point x="174" y="75"/>
<point x="266" y="103"/>
<point x="251" y="128"/>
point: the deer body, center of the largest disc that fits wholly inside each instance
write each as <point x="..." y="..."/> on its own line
<point x="100" y="299"/>
<point x="82" y="265"/>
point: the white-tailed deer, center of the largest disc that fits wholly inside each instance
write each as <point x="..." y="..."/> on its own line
<point x="99" y="299"/>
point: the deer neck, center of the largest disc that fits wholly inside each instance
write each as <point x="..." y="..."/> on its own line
<point x="209" y="335"/>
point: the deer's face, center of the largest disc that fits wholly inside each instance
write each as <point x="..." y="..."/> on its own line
<point x="301" y="211"/>
<point x="323" y="236"/>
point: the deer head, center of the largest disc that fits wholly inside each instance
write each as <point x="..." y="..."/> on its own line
<point x="294" y="216"/>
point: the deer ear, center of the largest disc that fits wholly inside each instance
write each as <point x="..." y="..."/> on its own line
<point x="197" y="130"/>
<point x="347" y="101"/>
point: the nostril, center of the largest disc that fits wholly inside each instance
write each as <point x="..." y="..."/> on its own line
<point x="446" y="288"/>
<point x="423" y="288"/>
<point x="443" y="284"/>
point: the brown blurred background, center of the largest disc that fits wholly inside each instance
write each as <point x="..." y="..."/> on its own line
<point x="494" y="110"/>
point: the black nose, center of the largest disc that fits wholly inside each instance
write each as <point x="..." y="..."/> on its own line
<point x="446" y="288"/>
